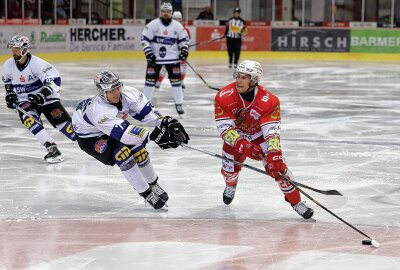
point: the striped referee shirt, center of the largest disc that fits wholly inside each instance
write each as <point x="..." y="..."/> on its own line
<point x="235" y="27"/>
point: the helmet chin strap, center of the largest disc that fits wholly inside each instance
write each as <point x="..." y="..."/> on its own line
<point x="20" y="58"/>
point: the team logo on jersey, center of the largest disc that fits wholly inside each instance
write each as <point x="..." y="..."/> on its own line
<point x="56" y="113"/>
<point x="226" y="92"/>
<point x="165" y="33"/>
<point x="255" y="114"/>
<point x="218" y="111"/>
<point x="162" y="52"/>
<point x="22" y="79"/>
<point x="100" y="146"/>
<point x="241" y="114"/>
<point x="276" y="114"/>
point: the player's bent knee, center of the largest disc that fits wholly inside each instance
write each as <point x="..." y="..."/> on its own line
<point x="141" y="155"/>
<point x="30" y="123"/>
<point x="123" y="158"/>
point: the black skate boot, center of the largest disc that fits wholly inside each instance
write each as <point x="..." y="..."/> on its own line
<point x="53" y="155"/>
<point x="152" y="199"/>
<point x="159" y="191"/>
<point x="179" y="108"/>
<point x="303" y="210"/>
<point x="229" y="194"/>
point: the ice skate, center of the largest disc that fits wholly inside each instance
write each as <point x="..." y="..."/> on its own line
<point x="53" y="155"/>
<point x="303" y="210"/>
<point x="155" y="201"/>
<point x="229" y="194"/>
<point x="179" y="109"/>
<point x="159" y="191"/>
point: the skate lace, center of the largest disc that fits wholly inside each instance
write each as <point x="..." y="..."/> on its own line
<point x="157" y="189"/>
<point x="152" y="199"/>
<point x="300" y="208"/>
<point x="229" y="191"/>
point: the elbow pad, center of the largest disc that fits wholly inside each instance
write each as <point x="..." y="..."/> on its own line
<point x="135" y="135"/>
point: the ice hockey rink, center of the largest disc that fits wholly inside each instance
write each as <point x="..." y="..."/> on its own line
<point x="340" y="130"/>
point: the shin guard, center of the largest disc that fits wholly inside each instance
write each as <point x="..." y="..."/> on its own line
<point x="66" y="129"/>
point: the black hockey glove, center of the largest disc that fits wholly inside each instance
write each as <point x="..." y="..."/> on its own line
<point x="151" y="58"/>
<point x="11" y="99"/>
<point x="39" y="98"/>
<point x="184" y="53"/>
<point x="177" y="132"/>
<point x="161" y="137"/>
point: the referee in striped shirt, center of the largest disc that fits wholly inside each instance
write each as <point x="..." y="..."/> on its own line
<point x="235" y="28"/>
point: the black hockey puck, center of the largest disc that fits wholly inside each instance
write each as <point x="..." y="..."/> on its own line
<point x="366" y="242"/>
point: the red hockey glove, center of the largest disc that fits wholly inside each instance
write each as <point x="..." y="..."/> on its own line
<point x="249" y="149"/>
<point x="275" y="163"/>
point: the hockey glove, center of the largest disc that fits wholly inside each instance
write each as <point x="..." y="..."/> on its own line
<point x="39" y="98"/>
<point x="176" y="131"/>
<point x="160" y="137"/>
<point x="11" y="99"/>
<point x="151" y="58"/>
<point x="251" y="150"/>
<point x="184" y="54"/>
<point x="275" y="164"/>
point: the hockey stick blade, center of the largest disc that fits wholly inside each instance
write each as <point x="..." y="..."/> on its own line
<point x="325" y="192"/>
<point x="373" y="242"/>
<point x="201" y="78"/>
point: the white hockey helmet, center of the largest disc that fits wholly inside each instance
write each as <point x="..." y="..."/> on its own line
<point x="105" y="81"/>
<point x="252" y="68"/>
<point x="177" y="15"/>
<point x="166" y="6"/>
<point x="21" y="42"/>
<point x="18" y="41"/>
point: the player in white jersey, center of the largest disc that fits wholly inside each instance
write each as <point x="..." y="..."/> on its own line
<point x="104" y="133"/>
<point x="33" y="85"/>
<point x="165" y="42"/>
<point x="177" y="15"/>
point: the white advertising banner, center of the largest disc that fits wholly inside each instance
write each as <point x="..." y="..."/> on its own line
<point x="75" y="38"/>
<point x="87" y="38"/>
<point x="42" y="38"/>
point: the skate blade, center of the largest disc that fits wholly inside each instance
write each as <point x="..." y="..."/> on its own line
<point x="310" y="220"/>
<point x="54" y="160"/>
<point x="164" y="208"/>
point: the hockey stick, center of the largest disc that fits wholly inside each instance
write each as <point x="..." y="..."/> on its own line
<point x="373" y="242"/>
<point x="294" y="183"/>
<point x="18" y="108"/>
<point x="205" y="42"/>
<point x="201" y="78"/>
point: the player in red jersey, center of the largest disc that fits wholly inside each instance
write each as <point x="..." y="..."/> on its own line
<point x="248" y="118"/>
<point x="177" y="15"/>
